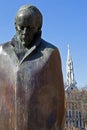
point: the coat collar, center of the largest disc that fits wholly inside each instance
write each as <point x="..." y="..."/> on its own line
<point x="23" y="53"/>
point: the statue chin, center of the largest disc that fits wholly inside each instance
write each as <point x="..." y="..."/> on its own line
<point x="25" y="44"/>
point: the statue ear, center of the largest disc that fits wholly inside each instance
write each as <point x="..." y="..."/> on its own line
<point x="37" y="38"/>
<point x="38" y="35"/>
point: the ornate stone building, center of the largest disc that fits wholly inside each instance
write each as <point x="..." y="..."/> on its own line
<point x="76" y="100"/>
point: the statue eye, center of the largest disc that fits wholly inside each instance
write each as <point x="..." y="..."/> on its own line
<point x="30" y="28"/>
<point x="20" y="28"/>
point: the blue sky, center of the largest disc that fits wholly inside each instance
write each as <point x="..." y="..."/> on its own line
<point x="64" y="22"/>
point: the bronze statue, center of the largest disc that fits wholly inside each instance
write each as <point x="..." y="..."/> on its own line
<point x="31" y="82"/>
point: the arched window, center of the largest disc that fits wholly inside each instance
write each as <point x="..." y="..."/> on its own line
<point x="66" y="114"/>
<point x="77" y="123"/>
<point x="76" y="114"/>
<point x="69" y="114"/>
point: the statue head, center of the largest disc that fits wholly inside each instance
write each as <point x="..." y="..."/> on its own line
<point x="28" y="23"/>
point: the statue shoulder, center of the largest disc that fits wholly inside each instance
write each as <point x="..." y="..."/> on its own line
<point x="6" y="46"/>
<point x="50" y="48"/>
<point x="47" y="44"/>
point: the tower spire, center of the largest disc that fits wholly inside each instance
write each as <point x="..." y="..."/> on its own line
<point x="69" y="70"/>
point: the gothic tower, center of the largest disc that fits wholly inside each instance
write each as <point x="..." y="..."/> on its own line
<point x="70" y="80"/>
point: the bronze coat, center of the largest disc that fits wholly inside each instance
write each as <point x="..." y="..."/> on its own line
<point x="32" y="93"/>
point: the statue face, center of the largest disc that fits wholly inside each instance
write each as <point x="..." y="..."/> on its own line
<point x="26" y="29"/>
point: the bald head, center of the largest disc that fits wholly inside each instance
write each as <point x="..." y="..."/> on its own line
<point x="28" y="22"/>
<point x="29" y="15"/>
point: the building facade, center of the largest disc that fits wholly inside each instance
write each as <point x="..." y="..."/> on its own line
<point x="76" y="99"/>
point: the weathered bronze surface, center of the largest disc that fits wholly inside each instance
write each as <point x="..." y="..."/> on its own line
<point x="31" y="82"/>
